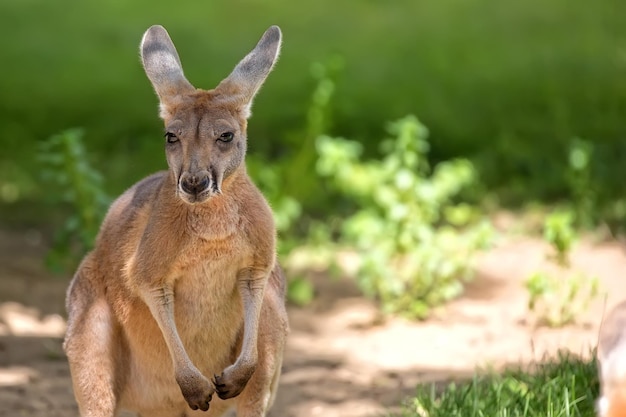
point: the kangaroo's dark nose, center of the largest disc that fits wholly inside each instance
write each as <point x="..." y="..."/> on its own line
<point x="193" y="184"/>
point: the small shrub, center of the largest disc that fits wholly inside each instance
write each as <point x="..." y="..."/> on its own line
<point x="415" y="240"/>
<point x="287" y="183"/>
<point x="559" y="232"/>
<point x="66" y="168"/>
<point x="553" y="300"/>
<point x="581" y="184"/>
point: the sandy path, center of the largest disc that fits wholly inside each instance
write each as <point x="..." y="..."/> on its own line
<point x="341" y="359"/>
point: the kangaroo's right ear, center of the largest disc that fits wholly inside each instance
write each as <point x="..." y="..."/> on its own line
<point x="162" y="65"/>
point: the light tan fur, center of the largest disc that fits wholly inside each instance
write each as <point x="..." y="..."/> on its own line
<point x="182" y="296"/>
<point x="612" y="363"/>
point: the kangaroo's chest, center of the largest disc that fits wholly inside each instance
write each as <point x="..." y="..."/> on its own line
<point x="208" y="288"/>
<point x="206" y="294"/>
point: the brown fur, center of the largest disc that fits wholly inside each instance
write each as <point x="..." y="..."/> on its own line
<point x="612" y="362"/>
<point x="183" y="285"/>
<point x="617" y="404"/>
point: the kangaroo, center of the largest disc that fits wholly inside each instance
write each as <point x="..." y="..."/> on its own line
<point x="612" y="363"/>
<point x="182" y="297"/>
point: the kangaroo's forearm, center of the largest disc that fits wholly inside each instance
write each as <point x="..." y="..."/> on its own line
<point x="251" y="285"/>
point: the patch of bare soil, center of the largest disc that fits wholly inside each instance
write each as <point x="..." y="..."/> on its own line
<point x="342" y="359"/>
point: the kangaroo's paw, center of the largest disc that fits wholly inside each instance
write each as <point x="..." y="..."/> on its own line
<point x="232" y="381"/>
<point x="196" y="389"/>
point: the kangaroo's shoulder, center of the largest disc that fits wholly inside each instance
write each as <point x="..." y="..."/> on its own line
<point x="133" y="202"/>
<point x="139" y="195"/>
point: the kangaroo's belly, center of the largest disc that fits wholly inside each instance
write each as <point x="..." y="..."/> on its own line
<point x="209" y="319"/>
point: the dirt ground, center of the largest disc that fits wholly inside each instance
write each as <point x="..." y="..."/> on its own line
<point x="342" y="359"/>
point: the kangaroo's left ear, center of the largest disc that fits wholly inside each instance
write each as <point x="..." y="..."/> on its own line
<point x="248" y="76"/>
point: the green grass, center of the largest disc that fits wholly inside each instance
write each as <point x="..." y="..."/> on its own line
<point x="566" y="386"/>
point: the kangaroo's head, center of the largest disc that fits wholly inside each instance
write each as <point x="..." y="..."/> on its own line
<point x="205" y="130"/>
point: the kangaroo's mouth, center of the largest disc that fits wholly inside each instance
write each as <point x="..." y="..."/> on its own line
<point x="195" y="198"/>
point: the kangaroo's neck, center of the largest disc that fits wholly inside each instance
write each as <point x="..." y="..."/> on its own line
<point x="215" y="219"/>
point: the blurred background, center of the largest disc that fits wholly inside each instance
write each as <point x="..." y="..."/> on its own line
<point x="523" y="102"/>
<point x="455" y="109"/>
<point x="398" y="134"/>
<point x="509" y="85"/>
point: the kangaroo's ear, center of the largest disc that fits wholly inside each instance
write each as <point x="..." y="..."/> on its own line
<point x="244" y="82"/>
<point x="162" y="65"/>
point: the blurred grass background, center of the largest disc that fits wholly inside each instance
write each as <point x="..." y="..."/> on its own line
<point x="507" y="84"/>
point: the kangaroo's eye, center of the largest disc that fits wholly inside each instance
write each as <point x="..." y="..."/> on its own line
<point x="226" y="137"/>
<point x="171" y="137"/>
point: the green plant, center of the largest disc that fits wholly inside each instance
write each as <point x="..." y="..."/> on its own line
<point x="557" y="300"/>
<point x="65" y="166"/>
<point x="299" y="167"/>
<point x="286" y="183"/>
<point x="559" y="232"/>
<point x="285" y="208"/>
<point x="414" y="239"/>
<point x="580" y="182"/>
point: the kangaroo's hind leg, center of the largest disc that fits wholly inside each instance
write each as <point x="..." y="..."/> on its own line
<point x="93" y="347"/>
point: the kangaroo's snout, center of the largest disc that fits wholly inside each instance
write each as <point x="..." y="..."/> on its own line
<point x="195" y="185"/>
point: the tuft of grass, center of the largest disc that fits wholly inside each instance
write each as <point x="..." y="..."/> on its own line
<point x="565" y="386"/>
